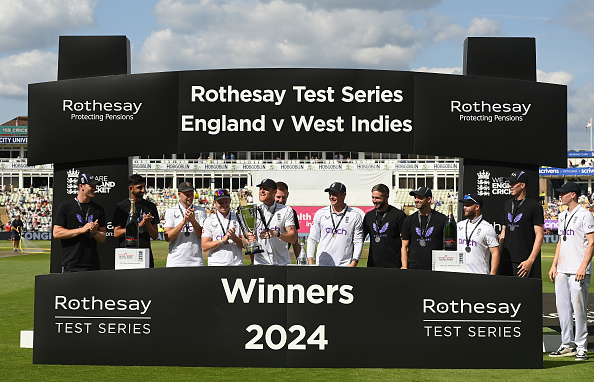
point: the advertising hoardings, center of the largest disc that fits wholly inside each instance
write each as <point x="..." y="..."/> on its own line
<point x="295" y="316"/>
<point x="294" y="109"/>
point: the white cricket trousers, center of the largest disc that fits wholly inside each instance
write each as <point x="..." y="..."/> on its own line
<point x="572" y="297"/>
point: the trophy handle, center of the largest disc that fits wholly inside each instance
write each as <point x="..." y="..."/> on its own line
<point x="262" y="218"/>
<point x="239" y="219"/>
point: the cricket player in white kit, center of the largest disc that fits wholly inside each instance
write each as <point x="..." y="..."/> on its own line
<point x="276" y="228"/>
<point x="183" y="230"/>
<point x="221" y="233"/>
<point x="477" y="238"/>
<point x="571" y="272"/>
<point x="339" y="231"/>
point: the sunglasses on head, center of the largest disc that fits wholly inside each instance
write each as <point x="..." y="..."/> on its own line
<point x="470" y="199"/>
<point x="221" y="193"/>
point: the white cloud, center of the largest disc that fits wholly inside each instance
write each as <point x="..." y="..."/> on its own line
<point x="18" y="70"/>
<point x="414" y="5"/>
<point x="559" y="77"/>
<point x="442" y="28"/>
<point x="212" y="34"/>
<point x="580" y="15"/>
<point x="579" y="111"/>
<point x="454" y="70"/>
<point x="30" y="24"/>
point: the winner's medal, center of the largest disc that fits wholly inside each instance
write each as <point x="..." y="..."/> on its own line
<point x="187" y="233"/>
<point x="377" y="239"/>
<point x="468" y="238"/>
<point x="567" y="221"/>
<point x="335" y="226"/>
<point x="512" y="227"/>
<point x="423" y="232"/>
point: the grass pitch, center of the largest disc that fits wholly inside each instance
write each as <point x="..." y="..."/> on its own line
<point x="16" y="314"/>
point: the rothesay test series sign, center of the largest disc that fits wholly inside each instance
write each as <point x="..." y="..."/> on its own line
<point x="287" y="317"/>
<point x="294" y="109"/>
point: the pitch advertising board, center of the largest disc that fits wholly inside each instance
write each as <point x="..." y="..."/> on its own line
<point x="287" y="317"/>
<point x="295" y="109"/>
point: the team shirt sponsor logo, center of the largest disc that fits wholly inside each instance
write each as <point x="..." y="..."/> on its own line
<point x="382" y="231"/>
<point x="81" y="220"/>
<point x="340" y="231"/>
<point x="464" y="242"/>
<point x="427" y="234"/>
<point x="513" y="220"/>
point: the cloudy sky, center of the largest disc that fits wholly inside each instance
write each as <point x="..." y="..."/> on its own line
<point x="420" y="35"/>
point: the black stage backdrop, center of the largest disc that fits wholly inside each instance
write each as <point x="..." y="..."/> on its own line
<point x="254" y="316"/>
<point x="313" y="109"/>
<point x="113" y="188"/>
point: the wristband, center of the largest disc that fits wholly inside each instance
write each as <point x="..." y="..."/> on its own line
<point x="279" y="233"/>
<point x="93" y="234"/>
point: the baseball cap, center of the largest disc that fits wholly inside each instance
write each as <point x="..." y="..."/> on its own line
<point x="185" y="186"/>
<point x="422" y="191"/>
<point x="268" y="183"/>
<point x="221" y="194"/>
<point x="89" y="179"/>
<point x="472" y="198"/>
<point x="336" y="187"/>
<point x="569" y="187"/>
<point x="518" y="176"/>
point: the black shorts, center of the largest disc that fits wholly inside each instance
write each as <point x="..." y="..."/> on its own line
<point x="15" y="236"/>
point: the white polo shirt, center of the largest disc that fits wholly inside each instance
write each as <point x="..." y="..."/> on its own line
<point x="579" y="222"/>
<point x="276" y="251"/>
<point x="184" y="251"/>
<point x="483" y="238"/>
<point x="336" y="248"/>
<point x="230" y="253"/>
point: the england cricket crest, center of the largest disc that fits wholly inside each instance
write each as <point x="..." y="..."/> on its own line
<point x="483" y="186"/>
<point x="72" y="181"/>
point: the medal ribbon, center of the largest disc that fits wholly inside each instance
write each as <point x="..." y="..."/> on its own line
<point x="567" y="223"/>
<point x="471" y="233"/>
<point x="335" y="226"/>
<point x="82" y="212"/>
<point x="267" y="224"/>
<point x="187" y="225"/>
<point x="221" y="224"/>
<point x="424" y="231"/>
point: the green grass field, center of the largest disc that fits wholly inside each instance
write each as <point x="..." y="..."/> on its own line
<point x="16" y="314"/>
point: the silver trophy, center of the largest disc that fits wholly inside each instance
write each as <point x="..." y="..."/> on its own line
<point x="247" y="216"/>
<point x="302" y="259"/>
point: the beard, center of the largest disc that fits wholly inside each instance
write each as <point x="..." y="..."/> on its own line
<point x="380" y="205"/>
<point x="470" y="214"/>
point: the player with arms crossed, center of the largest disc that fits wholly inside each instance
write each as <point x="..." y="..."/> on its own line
<point x="571" y="272"/>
